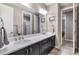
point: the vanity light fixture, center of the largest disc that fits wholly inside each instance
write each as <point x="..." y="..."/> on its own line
<point x="43" y="11"/>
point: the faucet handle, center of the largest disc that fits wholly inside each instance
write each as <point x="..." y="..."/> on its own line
<point x="15" y="39"/>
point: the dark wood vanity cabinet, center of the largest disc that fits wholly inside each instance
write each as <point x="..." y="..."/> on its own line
<point x="40" y="48"/>
<point x="34" y="49"/>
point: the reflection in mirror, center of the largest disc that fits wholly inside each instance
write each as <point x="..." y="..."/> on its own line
<point x="15" y="30"/>
<point x="17" y="23"/>
<point x="6" y="13"/>
<point x="30" y="23"/>
<point x="26" y="24"/>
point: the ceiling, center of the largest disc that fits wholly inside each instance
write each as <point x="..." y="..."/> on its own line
<point x="45" y="5"/>
<point x="37" y="5"/>
<point x="66" y="4"/>
<point x="48" y="4"/>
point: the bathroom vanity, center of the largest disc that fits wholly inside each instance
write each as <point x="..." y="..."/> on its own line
<point x="39" y="44"/>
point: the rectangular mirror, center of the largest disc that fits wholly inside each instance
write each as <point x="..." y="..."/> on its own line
<point x="18" y="21"/>
<point x="29" y="23"/>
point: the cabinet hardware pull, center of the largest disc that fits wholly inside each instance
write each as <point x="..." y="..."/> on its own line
<point x="30" y="50"/>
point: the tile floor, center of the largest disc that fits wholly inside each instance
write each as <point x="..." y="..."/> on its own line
<point x="66" y="49"/>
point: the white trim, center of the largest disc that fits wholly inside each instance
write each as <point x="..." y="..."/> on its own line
<point x="61" y="28"/>
<point x="67" y="8"/>
<point x="74" y="28"/>
<point x="68" y="40"/>
<point x="65" y="27"/>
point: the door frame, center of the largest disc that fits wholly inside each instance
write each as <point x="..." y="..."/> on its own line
<point x="73" y="25"/>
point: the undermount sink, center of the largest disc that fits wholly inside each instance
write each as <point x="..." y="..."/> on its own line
<point x="21" y="41"/>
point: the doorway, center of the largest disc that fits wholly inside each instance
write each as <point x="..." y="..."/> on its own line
<point x="67" y="30"/>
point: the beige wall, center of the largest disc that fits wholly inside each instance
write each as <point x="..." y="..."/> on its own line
<point x="55" y="11"/>
<point x="18" y="18"/>
<point x="59" y="26"/>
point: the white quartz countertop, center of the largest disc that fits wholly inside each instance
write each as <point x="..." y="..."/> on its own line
<point x="27" y="41"/>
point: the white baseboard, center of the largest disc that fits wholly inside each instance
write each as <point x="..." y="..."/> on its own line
<point x="68" y="40"/>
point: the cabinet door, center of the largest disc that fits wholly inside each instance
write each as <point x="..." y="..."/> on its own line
<point x="20" y="52"/>
<point x="26" y="51"/>
<point x="45" y="46"/>
<point x="34" y="49"/>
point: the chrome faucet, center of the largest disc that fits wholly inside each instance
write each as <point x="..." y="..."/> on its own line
<point x="19" y="38"/>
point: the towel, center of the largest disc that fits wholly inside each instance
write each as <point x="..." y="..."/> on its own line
<point x="5" y="39"/>
<point x="1" y="43"/>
